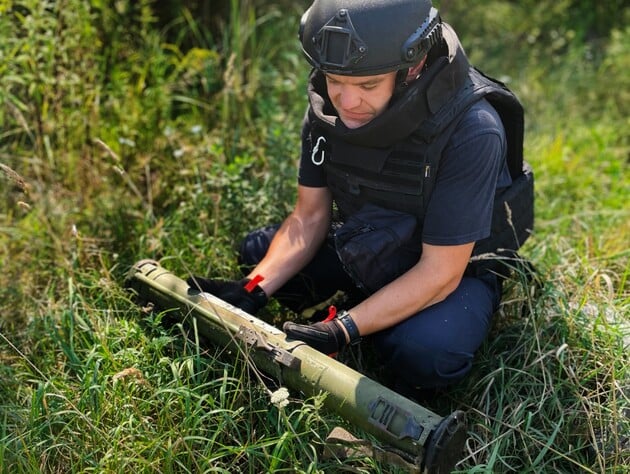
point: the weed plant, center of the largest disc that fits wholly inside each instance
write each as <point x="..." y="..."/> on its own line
<point x="129" y="134"/>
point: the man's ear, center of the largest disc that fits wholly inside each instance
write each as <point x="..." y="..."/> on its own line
<point x="414" y="72"/>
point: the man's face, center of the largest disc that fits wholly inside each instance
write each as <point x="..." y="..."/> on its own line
<point x="359" y="99"/>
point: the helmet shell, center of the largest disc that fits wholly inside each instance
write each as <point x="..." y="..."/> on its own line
<point x="366" y="37"/>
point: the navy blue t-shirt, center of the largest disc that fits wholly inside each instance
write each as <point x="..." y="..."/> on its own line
<point x="472" y="167"/>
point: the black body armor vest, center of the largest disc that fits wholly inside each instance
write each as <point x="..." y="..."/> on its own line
<point x="392" y="161"/>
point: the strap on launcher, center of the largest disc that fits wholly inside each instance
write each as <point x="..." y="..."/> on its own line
<point x="341" y="444"/>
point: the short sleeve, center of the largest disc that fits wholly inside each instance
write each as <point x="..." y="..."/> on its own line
<point x="461" y="204"/>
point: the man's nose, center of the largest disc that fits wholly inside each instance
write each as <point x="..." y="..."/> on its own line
<point x="349" y="98"/>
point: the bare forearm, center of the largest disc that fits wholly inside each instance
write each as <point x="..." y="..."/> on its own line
<point x="293" y="246"/>
<point x="428" y="282"/>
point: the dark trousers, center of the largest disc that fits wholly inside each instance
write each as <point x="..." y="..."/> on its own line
<point x="431" y="349"/>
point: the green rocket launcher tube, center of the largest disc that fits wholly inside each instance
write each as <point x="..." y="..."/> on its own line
<point x="429" y="441"/>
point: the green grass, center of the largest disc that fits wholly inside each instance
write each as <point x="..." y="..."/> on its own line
<point x="122" y="139"/>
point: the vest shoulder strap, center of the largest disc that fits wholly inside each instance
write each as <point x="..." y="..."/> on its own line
<point x="512" y="115"/>
<point x="437" y="131"/>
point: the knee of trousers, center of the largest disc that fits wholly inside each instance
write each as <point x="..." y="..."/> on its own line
<point x="422" y="364"/>
<point x="255" y="245"/>
<point x="436" y="347"/>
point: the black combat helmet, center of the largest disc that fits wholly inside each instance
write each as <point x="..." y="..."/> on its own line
<point x="366" y="37"/>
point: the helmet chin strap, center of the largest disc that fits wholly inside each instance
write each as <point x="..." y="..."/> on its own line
<point x="414" y="72"/>
<point x="406" y="76"/>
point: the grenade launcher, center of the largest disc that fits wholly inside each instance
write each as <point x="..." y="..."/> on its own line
<point x="429" y="442"/>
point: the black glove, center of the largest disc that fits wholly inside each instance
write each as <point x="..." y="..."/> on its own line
<point x="327" y="336"/>
<point x="237" y="293"/>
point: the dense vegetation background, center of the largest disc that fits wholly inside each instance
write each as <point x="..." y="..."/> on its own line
<point x="136" y="129"/>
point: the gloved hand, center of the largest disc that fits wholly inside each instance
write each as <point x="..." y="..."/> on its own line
<point x="327" y="336"/>
<point x="244" y="294"/>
